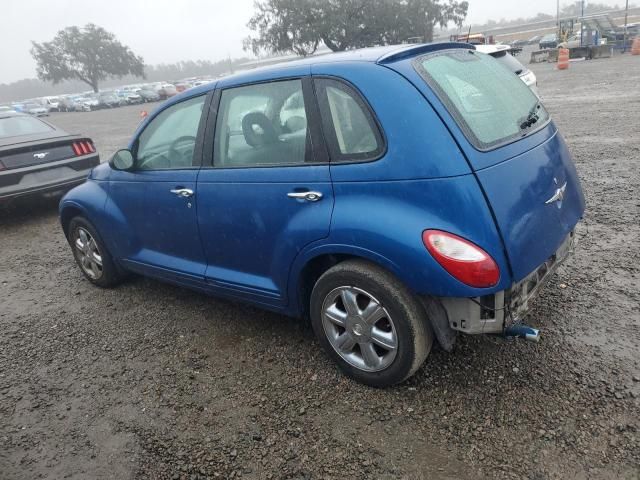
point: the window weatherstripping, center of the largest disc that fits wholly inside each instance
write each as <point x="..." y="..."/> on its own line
<point x="350" y="129"/>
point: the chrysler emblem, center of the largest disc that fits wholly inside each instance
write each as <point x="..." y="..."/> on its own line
<point x="558" y="195"/>
<point x="40" y="156"/>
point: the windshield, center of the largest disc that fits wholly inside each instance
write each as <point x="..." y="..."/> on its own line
<point x="16" y="126"/>
<point x="491" y="105"/>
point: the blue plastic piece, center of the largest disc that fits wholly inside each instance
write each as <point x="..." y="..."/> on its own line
<point x="523" y="331"/>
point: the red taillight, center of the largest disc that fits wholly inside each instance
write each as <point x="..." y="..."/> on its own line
<point x="83" y="148"/>
<point x="462" y="259"/>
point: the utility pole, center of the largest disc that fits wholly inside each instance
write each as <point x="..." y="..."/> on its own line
<point x="558" y="18"/>
<point x="626" y="31"/>
<point x="581" y="26"/>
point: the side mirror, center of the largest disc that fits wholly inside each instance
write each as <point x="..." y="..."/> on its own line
<point x="122" y="160"/>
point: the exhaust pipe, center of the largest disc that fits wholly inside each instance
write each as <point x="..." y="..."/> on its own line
<point x="523" y="331"/>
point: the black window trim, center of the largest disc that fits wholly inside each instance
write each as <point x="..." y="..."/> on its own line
<point x="319" y="154"/>
<point x="331" y="142"/>
<point x="198" y="150"/>
<point x="452" y="111"/>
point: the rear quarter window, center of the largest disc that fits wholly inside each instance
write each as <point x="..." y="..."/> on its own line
<point x="350" y="129"/>
<point x="18" y="125"/>
<point x="489" y="103"/>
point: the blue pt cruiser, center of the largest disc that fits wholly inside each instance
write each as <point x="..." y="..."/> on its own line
<point x="393" y="195"/>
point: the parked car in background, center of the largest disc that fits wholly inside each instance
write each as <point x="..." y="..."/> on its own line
<point x="66" y="104"/>
<point x="519" y="43"/>
<point x="133" y="98"/>
<point x="201" y="82"/>
<point x="6" y="108"/>
<point x="109" y="100"/>
<point x="535" y="40"/>
<point x="35" y="109"/>
<point x="91" y="100"/>
<point x="81" y="105"/>
<point x="36" y="157"/>
<point x="572" y="42"/>
<point x="548" y="41"/>
<point x="167" y="90"/>
<point x="502" y="53"/>
<point x="148" y="95"/>
<point x="129" y="97"/>
<point x="182" y="86"/>
<point x="52" y="104"/>
<point x="385" y="237"/>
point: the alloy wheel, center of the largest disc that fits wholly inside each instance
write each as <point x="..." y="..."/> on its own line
<point x="88" y="254"/>
<point x="359" y="329"/>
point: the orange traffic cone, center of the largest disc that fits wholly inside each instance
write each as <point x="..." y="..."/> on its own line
<point x="635" y="46"/>
<point x="143" y="114"/>
<point x="563" y="59"/>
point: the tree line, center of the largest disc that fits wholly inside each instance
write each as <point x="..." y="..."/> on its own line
<point x="302" y="26"/>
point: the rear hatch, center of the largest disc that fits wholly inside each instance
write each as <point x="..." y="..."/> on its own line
<point x="515" y="150"/>
<point x="536" y="199"/>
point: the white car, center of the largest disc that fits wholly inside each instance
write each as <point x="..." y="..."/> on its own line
<point x="501" y="53"/>
<point x="50" y="103"/>
<point x="572" y="42"/>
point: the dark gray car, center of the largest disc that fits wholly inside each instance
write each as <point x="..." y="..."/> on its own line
<point x="36" y="157"/>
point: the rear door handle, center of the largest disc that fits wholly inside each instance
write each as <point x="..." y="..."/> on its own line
<point x="182" y="192"/>
<point x="308" y="196"/>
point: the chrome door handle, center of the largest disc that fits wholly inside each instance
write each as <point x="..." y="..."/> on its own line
<point x="308" y="196"/>
<point x="182" y="192"/>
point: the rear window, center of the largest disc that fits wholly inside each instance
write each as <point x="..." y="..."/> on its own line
<point x="490" y="104"/>
<point x="16" y="126"/>
<point x="509" y="61"/>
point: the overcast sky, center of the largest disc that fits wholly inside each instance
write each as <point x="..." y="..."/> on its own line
<point x="165" y="31"/>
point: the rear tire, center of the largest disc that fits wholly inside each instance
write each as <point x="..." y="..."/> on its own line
<point x="369" y="323"/>
<point x="91" y="254"/>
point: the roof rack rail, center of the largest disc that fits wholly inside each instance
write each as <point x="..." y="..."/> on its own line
<point x="419" y="49"/>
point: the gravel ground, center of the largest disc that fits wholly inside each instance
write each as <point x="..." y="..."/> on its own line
<point x="150" y="381"/>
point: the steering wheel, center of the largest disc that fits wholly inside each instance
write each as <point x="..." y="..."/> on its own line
<point x="173" y="152"/>
<point x="265" y="134"/>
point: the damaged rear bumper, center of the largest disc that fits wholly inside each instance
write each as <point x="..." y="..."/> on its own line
<point x="493" y="313"/>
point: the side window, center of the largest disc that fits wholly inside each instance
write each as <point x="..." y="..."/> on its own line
<point x="169" y="141"/>
<point x="349" y="127"/>
<point x="262" y="125"/>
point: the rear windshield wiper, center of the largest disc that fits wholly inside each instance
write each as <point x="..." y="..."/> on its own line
<point x="532" y="117"/>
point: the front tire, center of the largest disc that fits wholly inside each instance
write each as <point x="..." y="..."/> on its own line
<point x="369" y="323"/>
<point x="91" y="254"/>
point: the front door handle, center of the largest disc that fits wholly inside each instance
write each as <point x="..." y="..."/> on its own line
<point x="308" y="196"/>
<point x="182" y="192"/>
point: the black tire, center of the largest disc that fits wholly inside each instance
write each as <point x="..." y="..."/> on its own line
<point x="413" y="333"/>
<point x="110" y="275"/>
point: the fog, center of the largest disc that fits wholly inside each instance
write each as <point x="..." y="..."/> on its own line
<point x="166" y="31"/>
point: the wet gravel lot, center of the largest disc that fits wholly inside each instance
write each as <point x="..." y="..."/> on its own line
<point x="152" y="381"/>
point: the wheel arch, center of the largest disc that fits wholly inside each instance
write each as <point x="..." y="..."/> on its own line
<point x="68" y="211"/>
<point x="310" y="266"/>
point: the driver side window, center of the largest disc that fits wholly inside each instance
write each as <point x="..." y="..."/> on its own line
<point x="168" y="142"/>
